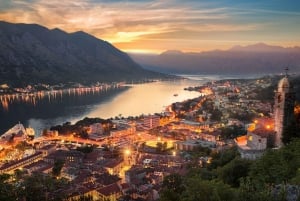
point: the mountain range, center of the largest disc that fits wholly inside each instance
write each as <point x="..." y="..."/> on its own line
<point x="30" y="53"/>
<point x="253" y="59"/>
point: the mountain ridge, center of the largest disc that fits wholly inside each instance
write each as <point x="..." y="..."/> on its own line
<point x="257" y="58"/>
<point x="30" y="53"/>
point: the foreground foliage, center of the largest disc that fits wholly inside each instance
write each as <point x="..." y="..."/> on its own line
<point x="229" y="177"/>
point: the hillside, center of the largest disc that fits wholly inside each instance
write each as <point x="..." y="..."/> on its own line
<point x="30" y="54"/>
<point x="256" y="59"/>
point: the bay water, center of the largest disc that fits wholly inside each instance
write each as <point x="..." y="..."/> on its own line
<point x="130" y="100"/>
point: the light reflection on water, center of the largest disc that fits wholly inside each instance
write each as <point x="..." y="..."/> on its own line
<point x="50" y="109"/>
<point x="33" y="97"/>
<point x="134" y="100"/>
<point x="138" y="99"/>
<point x="145" y="99"/>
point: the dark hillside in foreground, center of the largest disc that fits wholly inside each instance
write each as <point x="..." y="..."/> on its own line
<point x="31" y="54"/>
<point x="296" y="83"/>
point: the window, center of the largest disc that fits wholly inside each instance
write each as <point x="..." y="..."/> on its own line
<point x="279" y="98"/>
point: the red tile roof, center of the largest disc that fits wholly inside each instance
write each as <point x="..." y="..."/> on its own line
<point x="109" y="190"/>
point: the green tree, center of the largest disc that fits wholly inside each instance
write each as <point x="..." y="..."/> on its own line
<point x="296" y="180"/>
<point x="172" y="187"/>
<point x="290" y="132"/>
<point x="245" y="116"/>
<point x="216" y="115"/>
<point x="233" y="171"/>
<point x="204" y="190"/>
<point x="197" y="189"/>
<point x="39" y="187"/>
<point x="221" y="158"/>
<point x="85" y="149"/>
<point x="271" y="168"/>
<point x="277" y="166"/>
<point x="159" y="147"/>
<point x="58" y="165"/>
<point x="231" y="132"/>
<point x="19" y="174"/>
<point x="45" y="132"/>
<point x="164" y="146"/>
<point x="173" y="182"/>
<point x="252" y="191"/>
<point x="83" y="134"/>
<point x="7" y="189"/>
<point x="169" y="195"/>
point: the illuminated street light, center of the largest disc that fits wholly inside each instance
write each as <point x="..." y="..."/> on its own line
<point x="127" y="152"/>
<point x="127" y="157"/>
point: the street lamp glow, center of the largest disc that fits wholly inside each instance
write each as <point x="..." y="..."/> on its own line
<point x="127" y="152"/>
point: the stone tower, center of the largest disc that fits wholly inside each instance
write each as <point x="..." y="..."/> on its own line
<point x="283" y="107"/>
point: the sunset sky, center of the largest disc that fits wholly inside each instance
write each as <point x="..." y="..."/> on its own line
<point x="154" y="26"/>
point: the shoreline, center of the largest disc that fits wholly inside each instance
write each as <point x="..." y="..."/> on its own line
<point x="63" y="118"/>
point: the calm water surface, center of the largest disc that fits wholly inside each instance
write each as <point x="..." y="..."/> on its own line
<point x="132" y="100"/>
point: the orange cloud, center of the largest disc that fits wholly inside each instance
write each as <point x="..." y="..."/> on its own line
<point x="150" y="25"/>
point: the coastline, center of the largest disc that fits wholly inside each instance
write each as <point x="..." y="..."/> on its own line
<point x="112" y="101"/>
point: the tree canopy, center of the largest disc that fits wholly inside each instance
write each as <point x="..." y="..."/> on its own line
<point x="229" y="177"/>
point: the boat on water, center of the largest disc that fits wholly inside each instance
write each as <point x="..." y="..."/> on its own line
<point x="175" y="95"/>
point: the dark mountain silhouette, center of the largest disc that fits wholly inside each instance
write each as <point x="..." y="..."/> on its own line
<point x="30" y="53"/>
<point x="258" y="58"/>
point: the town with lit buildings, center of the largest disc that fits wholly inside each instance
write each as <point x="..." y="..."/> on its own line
<point x="128" y="158"/>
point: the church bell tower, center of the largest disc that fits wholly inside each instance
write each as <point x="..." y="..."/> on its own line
<point x="283" y="107"/>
